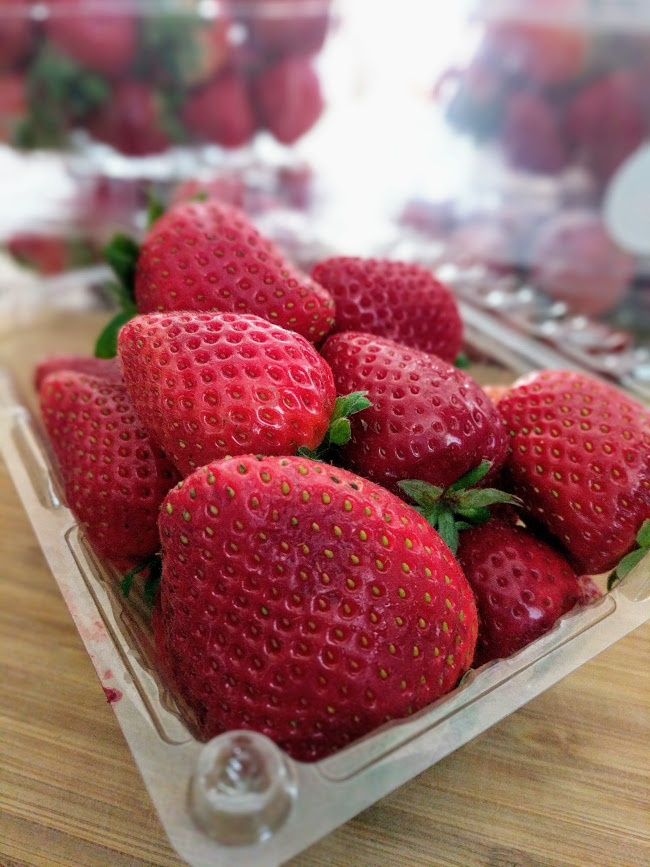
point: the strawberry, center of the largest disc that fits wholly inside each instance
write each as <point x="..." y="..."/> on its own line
<point x="294" y="27"/>
<point x="209" y="385"/>
<point x="99" y="368"/>
<point x="573" y="259"/>
<point x="305" y="603"/>
<point x="288" y="98"/>
<point x="104" y="43"/>
<point x="221" y="112"/>
<point x="532" y="137"/>
<point x="482" y="242"/>
<point x="428" y="420"/>
<point x="208" y="256"/>
<point x="580" y="461"/>
<point x="114" y="475"/>
<point x="606" y="122"/>
<point x="16" y="34"/>
<point x="133" y="120"/>
<point x="521" y="584"/>
<point x="50" y="254"/>
<point x="398" y="300"/>
<point x="545" y="42"/>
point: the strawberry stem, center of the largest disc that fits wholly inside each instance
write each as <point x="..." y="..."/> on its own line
<point x="460" y="506"/>
<point x="339" y="430"/>
<point x="153" y="565"/>
<point x="630" y="560"/>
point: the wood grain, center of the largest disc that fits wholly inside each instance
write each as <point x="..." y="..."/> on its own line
<point x="564" y="782"/>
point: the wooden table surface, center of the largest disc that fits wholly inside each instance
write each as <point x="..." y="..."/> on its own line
<point x="564" y="781"/>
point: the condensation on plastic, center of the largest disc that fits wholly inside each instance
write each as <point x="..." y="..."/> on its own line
<point x="239" y="800"/>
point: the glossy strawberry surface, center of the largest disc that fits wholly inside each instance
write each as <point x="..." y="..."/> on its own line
<point x="210" y="385"/>
<point x="428" y="420"/>
<point x="580" y="461"/>
<point x="399" y="300"/>
<point x="208" y="256"/>
<point x="114" y="475"/>
<point x="521" y="584"/>
<point x="306" y="603"/>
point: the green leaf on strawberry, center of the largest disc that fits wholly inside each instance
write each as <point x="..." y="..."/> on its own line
<point x="106" y="345"/>
<point x="460" y="506"/>
<point x="122" y="256"/>
<point x="339" y="430"/>
<point x="630" y="560"/>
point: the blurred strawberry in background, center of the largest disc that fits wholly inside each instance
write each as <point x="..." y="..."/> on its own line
<point x="106" y="44"/>
<point x="221" y="112"/>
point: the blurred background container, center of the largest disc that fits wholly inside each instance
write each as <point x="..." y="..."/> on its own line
<point x="482" y="138"/>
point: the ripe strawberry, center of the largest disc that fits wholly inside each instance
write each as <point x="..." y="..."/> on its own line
<point x="51" y="254"/>
<point x="428" y="420"/>
<point x="209" y="385"/>
<point x="114" y="475"/>
<point x="16" y="35"/>
<point x="104" y="43"/>
<point x="208" y="256"/>
<point x="294" y="27"/>
<point x="221" y="112"/>
<point x="580" y="462"/>
<point x="132" y="120"/>
<point x="532" y="137"/>
<point x="305" y="603"/>
<point x="521" y="584"/>
<point x="481" y="242"/>
<point x="606" y="122"/>
<point x="288" y="98"/>
<point x="398" y="300"/>
<point x="573" y="259"/>
<point x="538" y="45"/>
<point x="96" y="368"/>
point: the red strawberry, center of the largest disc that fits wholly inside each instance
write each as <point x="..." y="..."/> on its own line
<point x="580" y="461"/>
<point x="210" y="385"/>
<point x="606" y="123"/>
<point x="521" y="585"/>
<point x="115" y="476"/>
<point x="104" y="43"/>
<point x="289" y="99"/>
<point x="398" y="300"/>
<point x="294" y="27"/>
<point x="531" y="136"/>
<point x="306" y="603"/>
<point x="208" y="256"/>
<point x="221" y="112"/>
<point x="573" y="259"/>
<point x="51" y="254"/>
<point x="545" y="44"/>
<point x="481" y="242"/>
<point x="97" y="368"/>
<point x="132" y="120"/>
<point x="16" y="34"/>
<point x="428" y="420"/>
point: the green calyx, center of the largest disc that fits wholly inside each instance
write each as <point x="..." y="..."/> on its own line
<point x="630" y="560"/>
<point x="153" y="566"/>
<point x="122" y="255"/>
<point x="460" y="506"/>
<point x="339" y="430"/>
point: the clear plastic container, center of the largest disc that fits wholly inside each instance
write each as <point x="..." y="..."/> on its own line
<point x="537" y="168"/>
<point x="160" y="82"/>
<point x="238" y="800"/>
